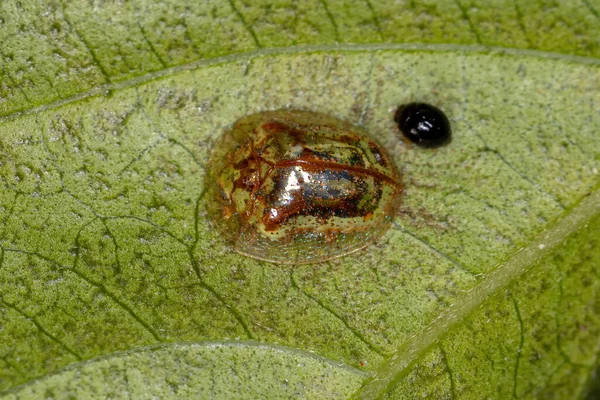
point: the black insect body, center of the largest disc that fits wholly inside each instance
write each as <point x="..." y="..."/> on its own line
<point x="423" y="124"/>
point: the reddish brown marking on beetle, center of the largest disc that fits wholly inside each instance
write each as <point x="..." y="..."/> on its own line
<point x="258" y="181"/>
<point x="273" y="223"/>
<point x="308" y="162"/>
<point x="228" y="211"/>
<point x="276" y="127"/>
<point x="245" y="182"/>
<point x="299" y="206"/>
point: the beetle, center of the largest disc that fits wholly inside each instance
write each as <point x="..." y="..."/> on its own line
<point x="296" y="187"/>
<point x="423" y="124"/>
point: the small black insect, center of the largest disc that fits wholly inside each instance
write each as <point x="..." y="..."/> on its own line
<point x="423" y="124"/>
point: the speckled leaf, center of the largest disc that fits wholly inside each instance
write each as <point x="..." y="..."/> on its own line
<point x="225" y="370"/>
<point x="486" y="287"/>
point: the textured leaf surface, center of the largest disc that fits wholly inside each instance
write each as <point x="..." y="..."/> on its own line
<point x="110" y="111"/>
<point x="211" y="370"/>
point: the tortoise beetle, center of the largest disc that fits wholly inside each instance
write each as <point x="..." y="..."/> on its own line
<point x="295" y="187"/>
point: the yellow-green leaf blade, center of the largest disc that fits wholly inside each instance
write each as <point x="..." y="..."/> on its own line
<point x="199" y="370"/>
<point x="105" y="242"/>
<point x="51" y="51"/>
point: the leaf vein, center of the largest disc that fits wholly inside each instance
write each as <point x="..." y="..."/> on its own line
<point x="104" y="89"/>
<point x="105" y="291"/>
<point x="375" y="19"/>
<point x="41" y="328"/>
<point x="331" y="311"/>
<point x="591" y="8"/>
<point x="520" y="349"/>
<point x="86" y="44"/>
<point x="336" y="32"/>
<point x="408" y="353"/>
<point x="368" y="84"/>
<point x="450" y="372"/>
<point x="162" y="62"/>
<point x="91" y="282"/>
<point x="245" y="23"/>
<point x="230" y="308"/>
<point x="431" y="247"/>
<point x="500" y="156"/>
<point x="465" y="15"/>
<point x="520" y="21"/>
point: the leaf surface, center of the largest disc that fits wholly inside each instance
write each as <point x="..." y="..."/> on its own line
<point x="110" y="111"/>
<point x="188" y="370"/>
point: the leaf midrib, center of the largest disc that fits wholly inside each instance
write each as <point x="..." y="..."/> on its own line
<point x="399" y="364"/>
<point x="106" y="89"/>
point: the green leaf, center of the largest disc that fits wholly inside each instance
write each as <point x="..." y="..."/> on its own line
<point x="110" y="274"/>
<point x="187" y="370"/>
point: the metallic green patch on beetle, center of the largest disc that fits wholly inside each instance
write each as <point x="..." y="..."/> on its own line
<point x="295" y="187"/>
